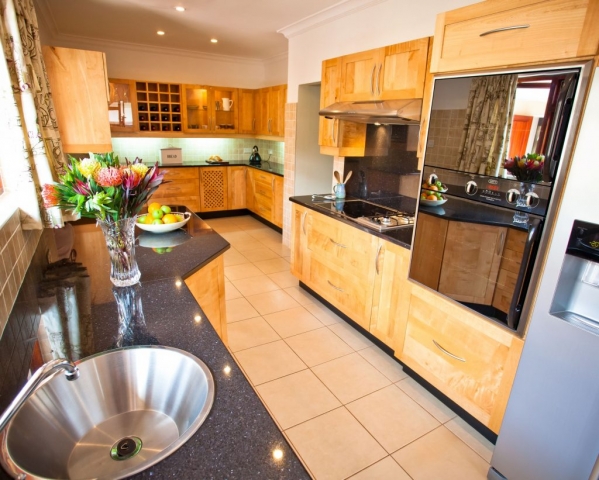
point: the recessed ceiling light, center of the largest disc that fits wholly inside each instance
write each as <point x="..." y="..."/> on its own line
<point x="214" y="40"/>
<point x="160" y="32"/>
<point x="180" y="9"/>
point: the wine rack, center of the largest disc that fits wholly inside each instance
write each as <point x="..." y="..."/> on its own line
<point x="158" y="106"/>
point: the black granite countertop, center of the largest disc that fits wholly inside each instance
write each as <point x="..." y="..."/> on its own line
<point x="275" y="168"/>
<point x="401" y="236"/>
<point x="238" y="437"/>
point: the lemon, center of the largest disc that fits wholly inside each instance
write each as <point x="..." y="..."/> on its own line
<point x="154" y="206"/>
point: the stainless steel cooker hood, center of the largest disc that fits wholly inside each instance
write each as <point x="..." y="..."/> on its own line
<point x="388" y="112"/>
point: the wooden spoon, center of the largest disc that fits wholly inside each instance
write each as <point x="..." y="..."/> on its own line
<point x="337" y="177"/>
<point x="348" y="176"/>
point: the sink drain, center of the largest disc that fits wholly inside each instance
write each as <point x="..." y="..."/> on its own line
<point x="125" y="448"/>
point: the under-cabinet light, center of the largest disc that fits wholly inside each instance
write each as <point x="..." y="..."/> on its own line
<point x="214" y="40"/>
<point x="160" y="32"/>
<point x="180" y="9"/>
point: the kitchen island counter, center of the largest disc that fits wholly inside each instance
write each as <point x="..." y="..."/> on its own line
<point x="275" y="168"/>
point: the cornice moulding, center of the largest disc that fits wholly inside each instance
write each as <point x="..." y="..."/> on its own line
<point x="328" y="15"/>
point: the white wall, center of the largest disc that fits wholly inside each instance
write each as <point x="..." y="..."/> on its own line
<point x="384" y="23"/>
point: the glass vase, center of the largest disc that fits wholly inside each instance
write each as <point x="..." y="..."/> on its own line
<point x="120" y="240"/>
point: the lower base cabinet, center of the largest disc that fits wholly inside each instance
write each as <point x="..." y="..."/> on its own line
<point x="264" y="195"/>
<point x="181" y="187"/>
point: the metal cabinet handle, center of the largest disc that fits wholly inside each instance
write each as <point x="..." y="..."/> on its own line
<point x="304" y="222"/>
<point x="500" y="243"/>
<point x="335" y="287"/>
<point x="448" y="353"/>
<point x="376" y="260"/>
<point x="503" y="29"/>
<point x="378" y="79"/>
<point x="334" y="132"/>
<point x="372" y="80"/>
<point x="338" y="244"/>
<point x="269" y="120"/>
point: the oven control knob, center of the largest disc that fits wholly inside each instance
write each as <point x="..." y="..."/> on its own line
<point x="471" y="187"/>
<point x="532" y="199"/>
<point x="512" y="196"/>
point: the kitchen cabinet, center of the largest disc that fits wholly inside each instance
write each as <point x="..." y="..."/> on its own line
<point x="183" y="188"/>
<point x="213" y="189"/>
<point x="122" y="107"/>
<point x="79" y="86"/>
<point x="265" y="195"/>
<point x="498" y="33"/>
<point x="467" y="358"/>
<point x="277" y="209"/>
<point x="270" y="110"/>
<point x="298" y="240"/>
<point x="158" y="106"/>
<point x="236" y="187"/>
<point x="247" y="111"/>
<point x="208" y="109"/>
<point x="337" y="137"/>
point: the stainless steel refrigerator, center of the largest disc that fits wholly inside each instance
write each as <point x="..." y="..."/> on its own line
<point x="551" y="425"/>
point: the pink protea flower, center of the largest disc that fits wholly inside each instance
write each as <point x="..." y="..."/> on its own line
<point x="81" y="188"/>
<point x="131" y="178"/>
<point x="108" y="177"/>
<point x="50" y="195"/>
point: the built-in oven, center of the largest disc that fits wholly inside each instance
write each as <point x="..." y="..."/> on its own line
<point x="496" y="151"/>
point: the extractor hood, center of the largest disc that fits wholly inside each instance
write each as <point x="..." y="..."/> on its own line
<point x="388" y="112"/>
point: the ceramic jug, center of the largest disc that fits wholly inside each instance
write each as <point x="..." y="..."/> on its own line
<point x="227" y="104"/>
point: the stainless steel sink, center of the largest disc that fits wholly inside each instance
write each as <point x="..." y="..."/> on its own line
<point x="129" y="409"/>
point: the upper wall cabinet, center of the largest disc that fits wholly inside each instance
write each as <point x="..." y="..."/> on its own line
<point x="122" y="107"/>
<point x="80" y="92"/>
<point x="247" y="111"/>
<point x="270" y="110"/>
<point x="393" y="72"/>
<point x="210" y="109"/>
<point x="159" y="106"/>
<point x="498" y="33"/>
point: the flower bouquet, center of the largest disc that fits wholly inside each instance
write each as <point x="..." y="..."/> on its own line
<point x="99" y="187"/>
<point x="528" y="168"/>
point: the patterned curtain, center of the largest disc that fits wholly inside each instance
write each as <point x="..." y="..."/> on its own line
<point x="31" y="150"/>
<point x="488" y="123"/>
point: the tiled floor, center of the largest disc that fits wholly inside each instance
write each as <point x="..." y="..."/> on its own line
<point x="347" y="408"/>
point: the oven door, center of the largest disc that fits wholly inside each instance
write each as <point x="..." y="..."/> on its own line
<point x="476" y="255"/>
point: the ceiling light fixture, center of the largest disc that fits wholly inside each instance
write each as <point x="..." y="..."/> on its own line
<point x="214" y="40"/>
<point x="180" y="9"/>
<point x="160" y="32"/>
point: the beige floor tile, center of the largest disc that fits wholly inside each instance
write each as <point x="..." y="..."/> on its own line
<point x="231" y="292"/>
<point x="350" y="377"/>
<point x="392" y="418"/>
<point x="247" y="221"/>
<point x="351" y="336"/>
<point x="266" y="235"/>
<point x="255" y="285"/>
<point x="284" y="279"/>
<point x="273" y="265"/>
<point x="334" y="445"/>
<point x="293" y="321"/>
<point x="300" y="295"/>
<point x="440" y="454"/>
<point x="234" y="257"/>
<point x="221" y="228"/>
<point x="237" y="272"/>
<point x="471" y="437"/>
<point x="240" y="309"/>
<point x="248" y="246"/>
<point x="237" y="237"/>
<point x="323" y="314"/>
<point x="296" y="398"/>
<point x="384" y="363"/>
<point x="318" y="346"/>
<point x="386" y="469"/>
<point x="278" y="248"/>
<point x="259" y="254"/>
<point x="271" y="302"/>
<point x="427" y="400"/>
<point x="269" y="362"/>
<point x="250" y="333"/>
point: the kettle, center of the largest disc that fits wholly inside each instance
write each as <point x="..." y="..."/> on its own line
<point x="255" y="158"/>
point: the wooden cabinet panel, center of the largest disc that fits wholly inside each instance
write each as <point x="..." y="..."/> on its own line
<point x="428" y="250"/>
<point x="204" y="109"/>
<point x="80" y="93"/>
<point x="270" y="110"/>
<point x="264" y="195"/>
<point x="158" y="106"/>
<point x="403" y="70"/>
<point x="501" y="33"/>
<point x="358" y="76"/>
<point x="509" y="268"/>
<point x="236" y="187"/>
<point x="181" y="187"/>
<point x="247" y="111"/>
<point x="249" y="190"/>
<point x="298" y="240"/>
<point x="213" y="189"/>
<point x="277" y="209"/>
<point x="122" y="106"/>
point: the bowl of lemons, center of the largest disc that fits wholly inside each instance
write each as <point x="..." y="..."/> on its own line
<point x="161" y="219"/>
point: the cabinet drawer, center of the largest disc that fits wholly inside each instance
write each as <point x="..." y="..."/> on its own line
<point x="537" y="32"/>
<point x="263" y="177"/>
<point x="263" y="207"/>
<point x="178" y="189"/>
<point x="263" y="188"/>
<point x="181" y="173"/>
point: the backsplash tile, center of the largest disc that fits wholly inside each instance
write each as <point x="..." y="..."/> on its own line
<point x="444" y="137"/>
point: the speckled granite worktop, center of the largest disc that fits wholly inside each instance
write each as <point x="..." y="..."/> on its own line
<point x="238" y="437"/>
<point x="275" y="168"/>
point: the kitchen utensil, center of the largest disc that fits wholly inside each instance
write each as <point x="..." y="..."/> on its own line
<point x="339" y="190"/>
<point x="348" y="176"/>
<point x="227" y="104"/>
<point x="337" y="176"/>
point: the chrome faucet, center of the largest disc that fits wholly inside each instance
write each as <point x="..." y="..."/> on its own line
<point x="45" y="371"/>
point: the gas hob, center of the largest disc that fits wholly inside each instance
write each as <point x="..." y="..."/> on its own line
<point x="369" y="214"/>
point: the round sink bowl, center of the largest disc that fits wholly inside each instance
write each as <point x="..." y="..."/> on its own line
<point x="129" y="409"/>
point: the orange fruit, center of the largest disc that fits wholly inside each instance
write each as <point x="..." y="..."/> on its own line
<point x="170" y="218"/>
<point x="432" y="197"/>
<point x="153" y="206"/>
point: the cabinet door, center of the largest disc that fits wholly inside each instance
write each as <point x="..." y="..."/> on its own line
<point x="402" y="70"/>
<point x="79" y="90"/>
<point x="512" y="32"/>
<point x="247" y="111"/>
<point x="250" y="193"/>
<point x="358" y="76"/>
<point x="277" y="208"/>
<point x="183" y="188"/>
<point x="225" y="109"/>
<point x="277" y="96"/>
<point x="213" y="189"/>
<point x="236" y="187"/>
<point x="428" y="250"/>
<point x="329" y="94"/>
<point x="426" y="106"/>
<point x="197" y="115"/>
<point x="299" y="252"/>
<point x="261" y="105"/>
<point x="122" y="106"/>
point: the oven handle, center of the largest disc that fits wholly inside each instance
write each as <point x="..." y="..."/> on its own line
<point x="525" y="267"/>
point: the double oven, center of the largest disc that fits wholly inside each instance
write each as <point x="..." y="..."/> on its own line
<point x="480" y="241"/>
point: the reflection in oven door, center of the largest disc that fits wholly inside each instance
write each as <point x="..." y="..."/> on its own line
<point x="483" y="266"/>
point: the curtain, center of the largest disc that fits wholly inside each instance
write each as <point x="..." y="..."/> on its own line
<point x="485" y="138"/>
<point x="31" y="150"/>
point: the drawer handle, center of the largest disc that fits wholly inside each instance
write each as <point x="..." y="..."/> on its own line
<point x="372" y="79"/>
<point x="503" y="29"/>
<point x="500" y="243"/>
<point x="376" y="260"/>
<point x="448" y="353"/>
<point x="304" y="222"/>
<point x="338" y="244"/>
<point x="335" y="287"/>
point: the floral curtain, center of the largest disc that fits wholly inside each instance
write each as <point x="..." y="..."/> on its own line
<point x="31" y="150"/>
<point x="488" y="123"/>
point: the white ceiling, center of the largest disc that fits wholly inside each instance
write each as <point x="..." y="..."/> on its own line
<point x="244" y="28"/>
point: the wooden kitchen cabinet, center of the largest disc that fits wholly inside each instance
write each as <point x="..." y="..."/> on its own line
<point x="270" y="110"/>
<point x="264" y="195"/>
<point x="182" y="187"/>
<point x="122" y="106"/>
<point x="298" y="240"/>
<point x="213" y="189"/>
<point x="470" y="360"/>
<point x="247" y="111"/>
<point x="497" y="33"/>
<point x="79" y="86"/>
<point x="236" y="187"/>
<point x="278" y="196"/>
<point x="204" y="109"/>
<point x="158" y="106"/>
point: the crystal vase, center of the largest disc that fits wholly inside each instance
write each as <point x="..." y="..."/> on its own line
<point x="120" y="240"/>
